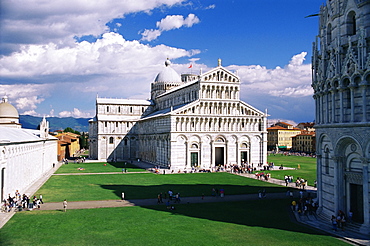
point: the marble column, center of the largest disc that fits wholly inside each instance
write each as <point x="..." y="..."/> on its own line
<point x="365" y="181"/>
<point x="363" y="86"/>
<point x="340" y="104"/>
<point x="352" y="95"/>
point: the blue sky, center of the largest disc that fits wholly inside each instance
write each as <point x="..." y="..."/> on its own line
<point x="56" y="56"/>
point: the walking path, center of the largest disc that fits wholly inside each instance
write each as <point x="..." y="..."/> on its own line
<point x="315" y="222"/>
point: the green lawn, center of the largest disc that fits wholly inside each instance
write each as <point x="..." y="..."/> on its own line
<point x="259" y="222"/>
<point x="147" y="185"/>
<point x="98" y="167"/>
<point x="307" y="167"/>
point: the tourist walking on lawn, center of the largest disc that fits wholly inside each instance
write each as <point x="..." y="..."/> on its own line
<point x="65" y="205"/>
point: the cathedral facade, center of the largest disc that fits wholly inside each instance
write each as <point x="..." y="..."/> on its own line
<point x="190" y="121"/>
<point x="341" y="83"/>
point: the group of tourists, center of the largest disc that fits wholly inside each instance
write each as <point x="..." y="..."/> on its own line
<point x="171" y="197"/>
<point x="305" y="205"/>
<point x="19" y="202"/>
<point x="299" y="182"/>
<point x="263" y="176"/>
<point x="339" y="221"/>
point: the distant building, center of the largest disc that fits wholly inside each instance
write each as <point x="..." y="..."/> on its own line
<point x="25" y="155"/>
<point x="68" y="144"/>
<point x="304" y="142"/>
<point x="190" y="121"/>
<point x="307" y="126"/>
<point x="341" y="83"/>
<point x="280" y="135"/>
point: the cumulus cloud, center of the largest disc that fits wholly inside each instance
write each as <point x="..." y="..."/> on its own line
<point x="76" y="113"/>
<point x="170" y="22"/>
<point x="111" y="54"/>
<point x="26" y="97"/>
<point x="281" y="90"/>
<point x="58" y="21"/>
<point x="293" y="80"/>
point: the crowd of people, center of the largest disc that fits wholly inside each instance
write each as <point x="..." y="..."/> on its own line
<point x="287" y="153"/>
<point x="339" y="221"/>
<point x="20" y="202"/>
<point x="305" y="205"/>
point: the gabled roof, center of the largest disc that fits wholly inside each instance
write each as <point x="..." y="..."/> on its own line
<point x="211" y="74"/>
<point x="283" y="128"/>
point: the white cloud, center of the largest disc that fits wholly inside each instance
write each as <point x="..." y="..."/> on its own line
<point x="293" y="80"/>
<point x="170" y="22"/>
<point x="212" y="6"/>
<point x="149" y="35"/>
<point x="111" y="54"/>
<point x="58" y="21"/>
<point x="76" y="113"/>
<point x="26" y="97"/>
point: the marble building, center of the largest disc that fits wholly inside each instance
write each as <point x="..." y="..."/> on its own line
<point x="25" y="155"/>
<point x="190" y="120"/>
<point x="341" y="83"/>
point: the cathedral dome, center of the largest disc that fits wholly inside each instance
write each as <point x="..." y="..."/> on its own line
<point x="7" y="111"/>
<point x="168" y="74"/>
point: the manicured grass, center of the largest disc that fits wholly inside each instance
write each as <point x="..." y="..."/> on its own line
<point x="307" y="167"/>
<point x="259" y="222"/>
<point x="98" y="167"/>
<point x="147" y="185"/>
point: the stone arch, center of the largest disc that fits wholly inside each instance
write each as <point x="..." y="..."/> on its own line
<point x="351" y="23"/>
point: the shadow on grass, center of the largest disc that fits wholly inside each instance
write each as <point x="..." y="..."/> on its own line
<point x="264" y="213"/>
<point x="125" y="165"/>
<point x="188" y="190"/>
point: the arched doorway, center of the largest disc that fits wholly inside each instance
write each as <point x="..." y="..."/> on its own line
<point x="219" y="150"/>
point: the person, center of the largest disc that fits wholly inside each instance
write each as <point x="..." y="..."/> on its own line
<point x="350" y="215"/>
<point x="334" y="222"/>
<point x="294" y="204"/>
<point x="40" y="198"/>
<point x="65" y="205"/>
<point x="123" y="195"/>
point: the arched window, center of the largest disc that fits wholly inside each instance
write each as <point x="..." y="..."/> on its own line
<point x="111" y="140"/>
<point x="244" y="146"/>
<point x="107" y="108"/>
<point x="351" y="23"/>
<point x="328" y="34"/>
<point x="220" y="140"/>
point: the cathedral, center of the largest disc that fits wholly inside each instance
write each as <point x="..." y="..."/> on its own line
<point x="341" y="83"/>
<point x="190" y="121"/>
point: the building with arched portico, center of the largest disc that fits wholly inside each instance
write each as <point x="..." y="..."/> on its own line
<point x="190" y="121"/>
<point x="25" y="155"/>
<point x="341" y="81"/>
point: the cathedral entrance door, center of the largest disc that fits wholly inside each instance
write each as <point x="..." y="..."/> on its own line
<point x="357" y="202"/>
<point x="244" y="156"/>
<point x="219" y="156"/>
<point x="194" y="159"/>
<point x="2" y="184"/>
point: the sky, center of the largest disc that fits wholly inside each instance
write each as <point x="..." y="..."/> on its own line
<point x="57" y="56"/>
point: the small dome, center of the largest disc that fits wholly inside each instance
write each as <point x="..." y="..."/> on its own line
<point x="7" y="110"/>
<point x="168" y="74"/>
